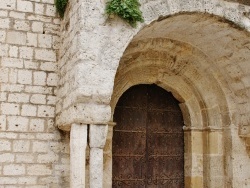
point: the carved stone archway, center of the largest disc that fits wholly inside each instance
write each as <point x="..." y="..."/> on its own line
<point x="213" y="85"/>
<point x="188" y="73"/>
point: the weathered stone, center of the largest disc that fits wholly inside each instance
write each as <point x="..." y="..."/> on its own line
<point x="78" y="143"/>
<point x="59" y="72"/>
<point x="97" y="140"/>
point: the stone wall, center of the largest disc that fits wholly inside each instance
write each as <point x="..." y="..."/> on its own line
<point x="92" y="57"/>
<point x="214" y="86"/>
<point x="33" y="153"/>
<point x="81" y="79"/>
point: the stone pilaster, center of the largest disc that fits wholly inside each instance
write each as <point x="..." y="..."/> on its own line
<point x="78" y="143"/>
<point x="97" y="140"/>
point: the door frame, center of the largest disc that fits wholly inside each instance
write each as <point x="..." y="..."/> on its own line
<point x="207" y="137"/>
<point x="192" y="151"/>
<point x="196" y="141"/>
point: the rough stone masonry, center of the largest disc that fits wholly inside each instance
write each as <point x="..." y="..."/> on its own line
<point x="60" y="80"/>
<point x="33" y="152"/>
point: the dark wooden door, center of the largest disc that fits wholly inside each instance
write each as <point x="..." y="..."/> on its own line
<point x="148" y="140"/>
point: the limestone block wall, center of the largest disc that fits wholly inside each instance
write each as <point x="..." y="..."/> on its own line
<point x="33" y="153"/>
<point x="220" y="85"/>
<point x="72" y="78"/>
<point x="84" y="84"/>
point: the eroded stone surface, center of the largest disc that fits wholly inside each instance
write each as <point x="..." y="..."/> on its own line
<point x="33" y="152"/>
<point x="78" y="143"/>
<point x="210" y="77"/>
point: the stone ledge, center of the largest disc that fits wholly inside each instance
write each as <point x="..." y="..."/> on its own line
<point x="83" y="113"/>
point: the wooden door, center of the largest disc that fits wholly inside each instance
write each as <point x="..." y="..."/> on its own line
<point x="148" y="140"/>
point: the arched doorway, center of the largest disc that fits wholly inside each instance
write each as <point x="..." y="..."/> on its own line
<point x="148" y="141"/>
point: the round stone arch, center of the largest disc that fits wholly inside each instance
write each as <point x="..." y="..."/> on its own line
<point x="216" y="28"/>
<point x="188" y="74"/>
<point x="193" y="56"/>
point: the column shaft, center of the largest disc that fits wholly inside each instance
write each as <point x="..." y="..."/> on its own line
<point x="78" y="142"/>
<point x="97" y="139"/>
<point x="96" y="168"/>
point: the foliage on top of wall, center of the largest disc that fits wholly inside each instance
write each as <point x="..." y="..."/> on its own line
<point x="125" y="9"/>
<point x="61" y="6"/>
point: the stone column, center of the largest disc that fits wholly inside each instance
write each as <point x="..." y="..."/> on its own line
<point x="107" y="154"/>
<point x="78" y="142"/>
<point x="97" y="139"/>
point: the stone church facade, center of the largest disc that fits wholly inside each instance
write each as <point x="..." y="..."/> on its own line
<point x="61" y="80"/>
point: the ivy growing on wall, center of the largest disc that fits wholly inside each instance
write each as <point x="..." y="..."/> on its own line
<point x="61" y="6"/>
<point x="125" y="9"/>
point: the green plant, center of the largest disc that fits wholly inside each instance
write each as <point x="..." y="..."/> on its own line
<point x="61" y="6"/>
<point x="125" y="9"/>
